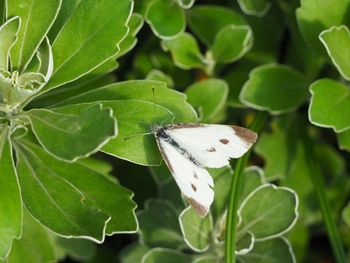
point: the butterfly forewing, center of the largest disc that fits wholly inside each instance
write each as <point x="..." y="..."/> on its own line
<point x="188" y="148"/>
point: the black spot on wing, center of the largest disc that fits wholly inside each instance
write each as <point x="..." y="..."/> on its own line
<point x="211" y="150"/>
<point x="194" y="187"/>
<point x="224" y="141"/>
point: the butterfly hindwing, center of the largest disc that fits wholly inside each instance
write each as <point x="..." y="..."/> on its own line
<point x="194" y="182"/>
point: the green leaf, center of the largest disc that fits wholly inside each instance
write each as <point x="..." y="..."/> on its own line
<point x="78" y="249"/>
<point x="36" y="20"/>
<point x="36" y="244"/>
<point x="8" y="37"/>
<point x="158" y="75"/>
<point x="277" y="250"/>
<point x="166" y="18"/>
<point x="253" y="178"/>
<point x="135" y="24"/>
<point x="186" y="4"/>
<point x="346" y="214"/>
<point x="103" y="191"/>
<point x="104" y="28"/>
<point x="268" y="211"/>
<point x="84" y="128"/>
<point x="135" y="141"/>
<point x="185" y="51"/>
<point x="245" y="244"/>
<point x="344" y="140"/>
<point x="257" y="8"/>
<point x="278" y="148"/>
<point x="133" y="253"/>
<point x="330" y="105"/>
<point x="10" y="197"/>
<point x="336" y="40"/>
<point x="231" y="43"/>
<point x="207" y="20"/>
<point x="275" y="88"/>
<point x="145" y="90"/>
<point x="54" y="201"/>
<point x="196" y="230"/>
<point x="159" y="225"/>
<point x="207" y="259"/>
<point x="314" y="16"/>
<point x="161" y="255"/>
<point x="198" y="94"/>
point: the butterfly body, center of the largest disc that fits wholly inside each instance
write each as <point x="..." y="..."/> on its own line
<point x="188" y="148"/>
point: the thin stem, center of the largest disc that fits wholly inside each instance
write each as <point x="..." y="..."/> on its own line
<point x="319" y="187"/>
<point x="236" y="188"/>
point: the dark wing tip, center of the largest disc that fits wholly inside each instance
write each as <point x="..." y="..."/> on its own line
<point x="247" y="135"/>
<point x="200" y="209"/>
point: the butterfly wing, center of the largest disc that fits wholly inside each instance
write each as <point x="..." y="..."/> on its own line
<point x="194" y="182"/>
<point x="210" y="144"/>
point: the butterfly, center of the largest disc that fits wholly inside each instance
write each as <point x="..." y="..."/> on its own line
<point x="188" y="149"/>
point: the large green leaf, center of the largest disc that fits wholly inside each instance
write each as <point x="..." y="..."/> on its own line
<point x="161" y="255"/>
<point x="337" y="43"/>
<point x="8" y="37"/>
<point x="10" y="197"/>
<point x="268" y="211"/>
<point x="36" y="17"/>
<point x="276" y="88"/>
<point x="198" y="94"/>
<point x="207" y="20"/>
<point x="135" y="141"/>
<point x="346" y="215"/>
<point x="314" y="16"/>
<point x="104" y="26"/>
<point x="277" y="250"/>
<point x="103" y="192"/>
<point x="231" y="43"/>
<point x="159" y="225"/>
<point x="196" y="230"/>
<point x="330" y="105"/>
<point x="36" y="244"/>
<point x="75" y="131"/>
<point x="166" y="18"/>
<point x="53" y="200"/>
<point x="185" y="51"/>
<point x="255" y="7"/>
<point x="146" y="90"/>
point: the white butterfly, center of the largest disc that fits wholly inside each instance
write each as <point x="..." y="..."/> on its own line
<point x="188" y="148"/>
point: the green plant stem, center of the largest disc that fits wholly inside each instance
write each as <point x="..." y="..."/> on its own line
<point x="319" y="187"/>
<point x="236" y="189"/>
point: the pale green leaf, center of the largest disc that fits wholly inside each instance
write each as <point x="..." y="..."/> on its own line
<point x="186" y="4"/>
<point x="231" y="43"/>
<point x="185" y="51"/>
<point x="275" y="88"/>
<point x="166" y="18"/>
<point x="159" y="225"/>
<point x="36" y="19"/>
<point x="207" y="20"/>
<point x="8" y="37"/>
<point x="314" y="16"/>
<point x="336" y="40"/>
<point x="158" y="75"/>
<point x="257" y="8"/>
<point x="277" y="250"/>
<point x="344" y="140"/>
<point x="104" y="27"/>
<point x="196" y="230"/>
<point x="198" y="94"/>
<point x="75" y="131"/>
<point x="133" y="253"/>
<point x="268" y="211"/>
<point x="346" y="214"/>
<point x="330" y="105"/>
<point x="161" y="255"/>
<point x="10" y="197"/>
